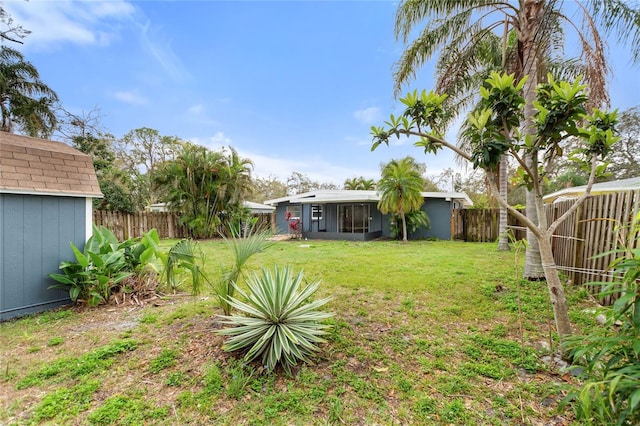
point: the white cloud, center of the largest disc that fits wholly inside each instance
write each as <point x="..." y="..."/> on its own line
<point x="369" y="115"/>
<point x="198" y="114"/>
<point x="218" y="141"/>
<point x="162" y="52"/>
<point x="317" y="170"/>
<point x="130" y="97"/>
<point x="69" y="21"/>
<point x="265" y="166"/>
<point x="358" y="141"/>
<point x="196" y="109"/>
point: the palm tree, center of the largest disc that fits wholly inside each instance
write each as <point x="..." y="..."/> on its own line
<point x="235" y="184"/>
<point x="192" y="183"/>
<point x="400" y="189"/>
<point x="207" y="187"/>
<point x="359" y="183"/>
<point x="367" y="184"/>
<point x="24" y="99"/>
<point x="460" y="27"/>
<point x="351" y="184"/>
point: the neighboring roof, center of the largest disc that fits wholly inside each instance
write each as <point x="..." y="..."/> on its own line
<point x="257" y="207"/>
<point x="43" y="167"/>
<point x="358" y="196"/>
<point x="254" y="207"/>
<point x="629" y="184"/>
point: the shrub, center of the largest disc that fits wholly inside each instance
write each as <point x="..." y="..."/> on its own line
<point x="255" y="241"/>
<point x="611" y="392"/>
<point x="108" y="268"/>
<point x="279" y="322"/>
<point x="95" y="272"/>
<point x="185" y="255"/>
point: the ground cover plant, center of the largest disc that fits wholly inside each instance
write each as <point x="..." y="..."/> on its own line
<point x="424" y="333"/>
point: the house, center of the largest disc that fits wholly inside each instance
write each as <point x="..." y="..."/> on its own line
<point x="354" y="215"/>
<point x="46" y="189"/>
<point x="630" y="184"/>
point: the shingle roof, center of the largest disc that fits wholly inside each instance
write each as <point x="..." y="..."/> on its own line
<point x="38" y="166"/>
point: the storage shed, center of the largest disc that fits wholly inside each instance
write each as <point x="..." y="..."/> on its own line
<point x="46" y="189"/>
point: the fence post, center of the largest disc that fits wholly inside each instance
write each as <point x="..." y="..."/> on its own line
<point x="578" y="253"/>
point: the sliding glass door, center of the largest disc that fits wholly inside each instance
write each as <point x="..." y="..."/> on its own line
<point x="353" y="218"/>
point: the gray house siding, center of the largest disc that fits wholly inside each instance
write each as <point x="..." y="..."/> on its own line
<point x="439" y="213"/>
<point x="36" y="231"/>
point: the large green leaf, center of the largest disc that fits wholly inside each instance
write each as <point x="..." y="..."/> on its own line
<point x="81" y="258"/>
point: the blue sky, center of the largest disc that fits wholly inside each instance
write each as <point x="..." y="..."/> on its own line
<point x="292" y="85"/>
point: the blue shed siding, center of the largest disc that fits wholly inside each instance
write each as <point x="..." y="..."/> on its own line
<point x="36" y="231"/>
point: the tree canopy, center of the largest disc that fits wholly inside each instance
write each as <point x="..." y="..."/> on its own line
<point x="26" y="102"/>
<point x="400" y="188"/>
<point x="494" y="131"/>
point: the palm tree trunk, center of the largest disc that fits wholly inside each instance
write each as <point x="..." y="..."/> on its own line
<point x="529" y="27"/>
<point x="503" y="238"/>
<point x="404" y="227"/>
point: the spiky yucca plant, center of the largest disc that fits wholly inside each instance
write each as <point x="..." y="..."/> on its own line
<point x="279" y="322"/>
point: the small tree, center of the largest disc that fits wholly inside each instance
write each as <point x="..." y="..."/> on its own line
<point x="400" y="190"/>
<point x="493" y="130"/>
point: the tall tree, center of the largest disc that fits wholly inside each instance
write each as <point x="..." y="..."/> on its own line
<point x="139" y="152"/>
<point x="235" y="183"/>
<point x="25" y="100"/>
<point x="115" y="183"/>
<point x="144" y="148"/>
<point x="400" y="188"/>
<point x="493" y="132"/>
<point x="625" y="158"/>
<point x="71" y="125"/>
<point x="359" y="183"/>
<point x="9" y="30"/>
<point x="297" y="183"/>
<point x="460" y="27"/>
<point x="207" y="187"/>
<point x="267" y="189"/>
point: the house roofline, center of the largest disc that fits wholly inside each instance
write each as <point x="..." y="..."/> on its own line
<point x="629" y="184"/>
<point x="346" y="195"/>
<point x="50" y="193"/>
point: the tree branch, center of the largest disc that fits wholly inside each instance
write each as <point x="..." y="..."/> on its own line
<point x="522" y="218"/>
<point x="580" y="200"/>
<point x="438" y="141"/>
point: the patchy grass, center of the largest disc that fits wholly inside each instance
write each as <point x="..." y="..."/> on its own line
<point x="425" y="332"/>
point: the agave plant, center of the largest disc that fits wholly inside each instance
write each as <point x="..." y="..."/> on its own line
<point x="279" y="322"/>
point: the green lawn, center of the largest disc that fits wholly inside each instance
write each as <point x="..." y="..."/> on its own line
<point x="425" y="333"/>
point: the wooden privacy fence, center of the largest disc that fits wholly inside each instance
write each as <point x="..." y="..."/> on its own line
<point x="596" y="227"/>
<point x="481" y="225"/>
<point x="127" y="225"/>
<point x="592" y="229"/>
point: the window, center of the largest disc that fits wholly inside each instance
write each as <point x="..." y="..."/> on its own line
<point x="293" y="212"/>
<point x="316" y="212"/>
